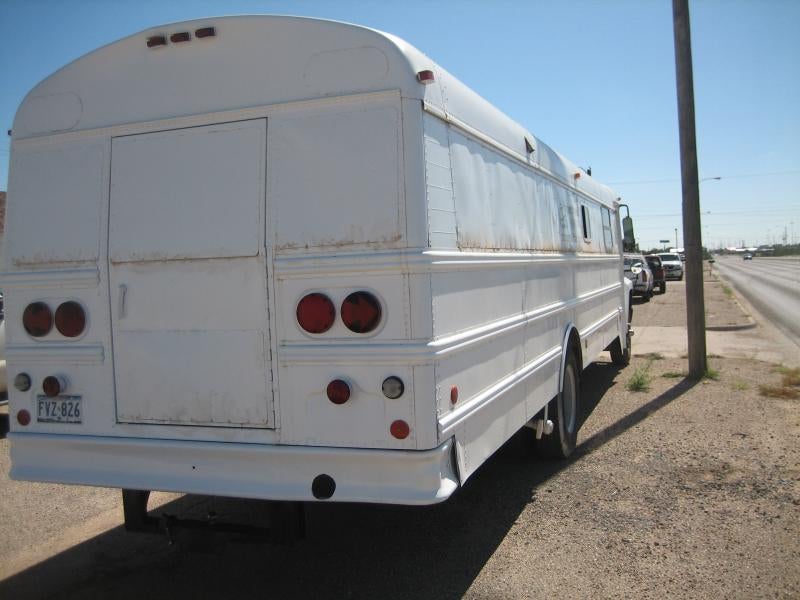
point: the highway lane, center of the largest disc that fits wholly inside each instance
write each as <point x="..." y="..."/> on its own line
<point x="771" y="285"/>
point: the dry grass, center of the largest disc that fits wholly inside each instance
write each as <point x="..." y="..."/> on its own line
<point x="639" y="381"/>
<point x="674" y="374"/>
<point x="791" y="377"/>
<point x="779" y="391"/>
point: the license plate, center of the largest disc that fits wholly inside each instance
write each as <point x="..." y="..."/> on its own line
<point x="59" y="409"/>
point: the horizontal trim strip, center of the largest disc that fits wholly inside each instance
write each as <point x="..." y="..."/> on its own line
<point x="420" y="260"/>
<point x="73" y="278"/>
<point x="423" y="351"/>
<point x="600" y="324"/>
<point x="56" y="353"/>
<point x="449" y="422"/>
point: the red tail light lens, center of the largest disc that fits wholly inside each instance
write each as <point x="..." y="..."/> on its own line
<point x="37" y="319"/>
<point x="399" y="429"/>
<point x="316" y="313"/>
<point x="23" y="417"/>
<point x="70" y="319"/>
<point x="338" y="391"/>
<point x="52" y="386"/>
<point x="361" y="312"/>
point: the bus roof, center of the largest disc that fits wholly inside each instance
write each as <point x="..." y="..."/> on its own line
<point x="258" y="60"/>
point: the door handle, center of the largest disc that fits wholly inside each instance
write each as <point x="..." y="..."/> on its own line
<point x="123" y="294"/>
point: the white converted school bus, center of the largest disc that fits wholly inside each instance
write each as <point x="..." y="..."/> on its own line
<point x="292" y="259"/>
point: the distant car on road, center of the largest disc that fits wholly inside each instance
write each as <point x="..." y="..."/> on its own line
<point x="747" y="256"/>
<point x="659" y="278"/>
<point x="673" y="267"/>
<point x="638" y="271"/>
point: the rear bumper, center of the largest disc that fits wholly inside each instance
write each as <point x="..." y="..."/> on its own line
<point x="236" y="470"/>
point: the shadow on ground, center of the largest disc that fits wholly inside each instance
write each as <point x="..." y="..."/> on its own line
<point x="352" y="551"/>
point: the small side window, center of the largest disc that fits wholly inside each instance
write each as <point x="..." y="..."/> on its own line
<point x="587" y="231"/>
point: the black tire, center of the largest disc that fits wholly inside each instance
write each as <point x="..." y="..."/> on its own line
<point x="680" y="278"/>
<point x="563" y="411"/>
<point x="620" y="357"/>
<point x="662" y="287"/>
<point x="630" y="308"/>
<point x="646" y="297"/>
<point x="134" y="509"/>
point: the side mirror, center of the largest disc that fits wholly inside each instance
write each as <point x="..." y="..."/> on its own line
<point x="636" y="268"/>
<point x="628" y="239"/>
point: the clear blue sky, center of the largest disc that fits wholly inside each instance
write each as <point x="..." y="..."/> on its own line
<point x="594" y="79"/>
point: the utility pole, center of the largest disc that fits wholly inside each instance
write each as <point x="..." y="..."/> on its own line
<point x="690" y="184"/>
<point x="676" y="240"/>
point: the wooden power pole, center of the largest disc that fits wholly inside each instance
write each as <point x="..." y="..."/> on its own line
<point x="690" y="183"/>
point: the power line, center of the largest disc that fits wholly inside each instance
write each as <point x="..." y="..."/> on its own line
<point x="674" y="179"/>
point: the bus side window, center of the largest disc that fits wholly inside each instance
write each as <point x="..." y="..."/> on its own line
<point x="587" y="230"/>
<point x="608" y="236"/>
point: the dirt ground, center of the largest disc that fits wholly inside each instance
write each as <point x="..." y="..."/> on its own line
<point x="686" y="489"/>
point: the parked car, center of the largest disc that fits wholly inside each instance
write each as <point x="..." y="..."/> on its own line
<point x="673" y="267"/>
<point x="659" y="278"/>
<point x="3" y="381"/>
<point x="637" y="270"/>
<point x="747" y="256"/>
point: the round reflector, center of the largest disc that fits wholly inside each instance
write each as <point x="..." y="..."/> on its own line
<point x="37" y="319"/>
<point x="400" y="429"/>
<point x="338" y="391"/>
<point x="52" y="386"/>
<point x="316" y="313"/>
<point x="361" y="312"/>
<point x="70" y="319"/>
<point x="23" y="417"/>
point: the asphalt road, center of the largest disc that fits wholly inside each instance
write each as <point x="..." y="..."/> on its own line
<point x="771" y="285"/>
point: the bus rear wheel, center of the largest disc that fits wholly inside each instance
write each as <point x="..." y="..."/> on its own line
<point x="563" y="411"/>
<point x="620" y="357"/>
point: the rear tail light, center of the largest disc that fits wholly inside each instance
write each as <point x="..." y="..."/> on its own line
<point x="37" y="319"/>
<point x="361" y="312"/>
<point x="316" y="313"/>
<point x="338" y="391"/>
<point x="53" y="385"/>
<point x="70" y="319"/>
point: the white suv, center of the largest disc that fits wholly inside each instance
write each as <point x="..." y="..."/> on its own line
<point x="673" y="267"/>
